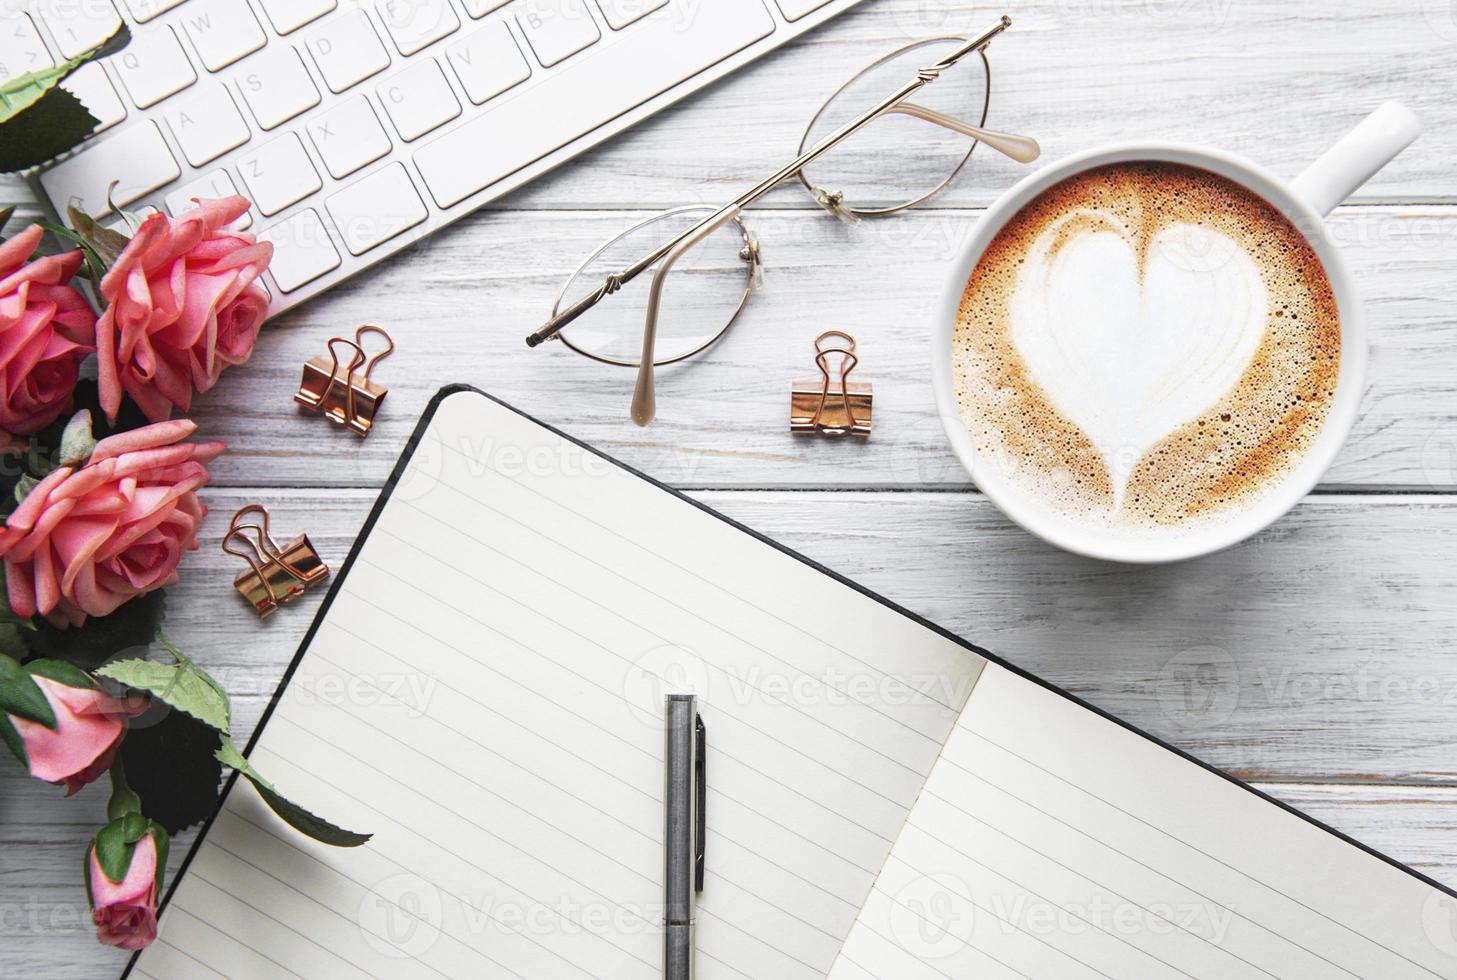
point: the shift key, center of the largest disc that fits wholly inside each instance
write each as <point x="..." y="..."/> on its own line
<point x="651" y="58"/>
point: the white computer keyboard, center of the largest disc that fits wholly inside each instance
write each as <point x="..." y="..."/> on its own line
<point x="356" y="127"/>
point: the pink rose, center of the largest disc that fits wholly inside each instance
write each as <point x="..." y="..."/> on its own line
<point x="183" y="302"/>
<point x="85" y="541"/>
<point x="89" y="727"/>
<point x="46" y="330"/>
<point x="125" y="911"/>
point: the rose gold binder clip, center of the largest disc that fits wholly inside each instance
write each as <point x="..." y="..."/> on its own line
<point x="275" y="575"/>
<point x="830" y="405"/>
<point x="343" y="394"/>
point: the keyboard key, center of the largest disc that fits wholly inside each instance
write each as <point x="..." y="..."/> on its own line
<point x="207" y="124"/>
<point x="222" y="31"/>
<point x="650" y="59"/>
<point x="416" y="24"/>
<point x="795" y="9"/>
<point x="277" y="86"/>
<point x="376" y="208"/>
<point x="479" y="8"/>
<point x="289" y="15"/>
<point x="154" y="66"/>
<point x="144" y="10"/>
<point x="349" y="137"/>
<point x="90" y="84"/>
<point x="620" y="13"/>
<point x="78" y="27"/>
<point x="279" y="173"/>
<point x="488" y="62"/>
<point x="21" y="49"/>
<point x="210" y="185"/>
<point x="556" y="29"/>
<point x="418" y="99"/>
<point x="347" y="51"/>
<point x="302" y="250"/>
<point x="137" y="158"/>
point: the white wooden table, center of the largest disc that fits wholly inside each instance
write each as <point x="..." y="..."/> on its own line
<point x="1328" y="642"/>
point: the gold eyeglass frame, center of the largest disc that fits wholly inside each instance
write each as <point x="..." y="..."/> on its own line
<point x="644" y="402"/>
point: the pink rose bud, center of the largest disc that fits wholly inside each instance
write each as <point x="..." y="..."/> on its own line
<point x="46" y="330"/>
<point x="124" y="907"/>
<point x="85" y="541"/>
<point x="183" y="303"/>
<point x="89" y="727"/>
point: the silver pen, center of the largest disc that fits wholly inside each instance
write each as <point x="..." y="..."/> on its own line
<point x="684" y="824"/>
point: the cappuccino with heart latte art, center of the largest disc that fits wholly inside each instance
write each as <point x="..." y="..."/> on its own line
<point x="1146" y="345"/>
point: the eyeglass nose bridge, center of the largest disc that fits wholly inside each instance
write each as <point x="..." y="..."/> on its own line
<point x="752" y="254"/>
<point x="834" y="202"/>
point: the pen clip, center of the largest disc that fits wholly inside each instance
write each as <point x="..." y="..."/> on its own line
<point x="700" y="772"/>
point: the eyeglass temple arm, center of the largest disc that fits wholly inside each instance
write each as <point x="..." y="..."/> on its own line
<point x="1023" y="149"/>
<point x="923" y="78"/>
<point x="644" y="397"/>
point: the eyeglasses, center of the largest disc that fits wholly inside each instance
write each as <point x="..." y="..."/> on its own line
<point x="888" y="157"/>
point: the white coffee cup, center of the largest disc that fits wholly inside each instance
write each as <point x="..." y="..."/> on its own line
<point x="1305" y="201"/>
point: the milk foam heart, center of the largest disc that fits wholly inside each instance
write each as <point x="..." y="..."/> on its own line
<point x="1145" y="347"/>
<point x="1132" y="340"/>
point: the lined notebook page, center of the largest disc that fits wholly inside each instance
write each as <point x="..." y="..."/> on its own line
<point x="1052" y="843"/>
<point x="484" y="694"/>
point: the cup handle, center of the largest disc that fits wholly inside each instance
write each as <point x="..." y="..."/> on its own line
<point x="1352" y="161"/>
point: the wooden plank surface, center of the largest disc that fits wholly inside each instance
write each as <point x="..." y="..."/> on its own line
<point x="1315" y="660"/>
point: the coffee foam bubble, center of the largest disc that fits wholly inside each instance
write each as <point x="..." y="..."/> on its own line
<point x="1146" y="345"/>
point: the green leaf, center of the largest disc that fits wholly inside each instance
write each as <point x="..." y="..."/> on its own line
<point x="12" y="635"/>
<point x="21" y="696"/>
<point x="289" y="812"/>
<point x="107" y="244"/>
<point x="183" y="659"/>
<point x="182" y="686"/>
<point x="117" y="842"/>
<point x="13" y="741"/>
<point x="24" y="487"/>
<point x="128" y="632"/>
<point x="171" y="764"/>
<point x="95" y="268"/>
<point x="52" y="124"/>
<point x="61" y="672"/>
<point x="77" y="442"/>
<point x="40" y="120"/>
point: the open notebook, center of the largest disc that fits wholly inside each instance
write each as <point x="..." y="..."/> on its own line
<point x="482" y="690"/>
